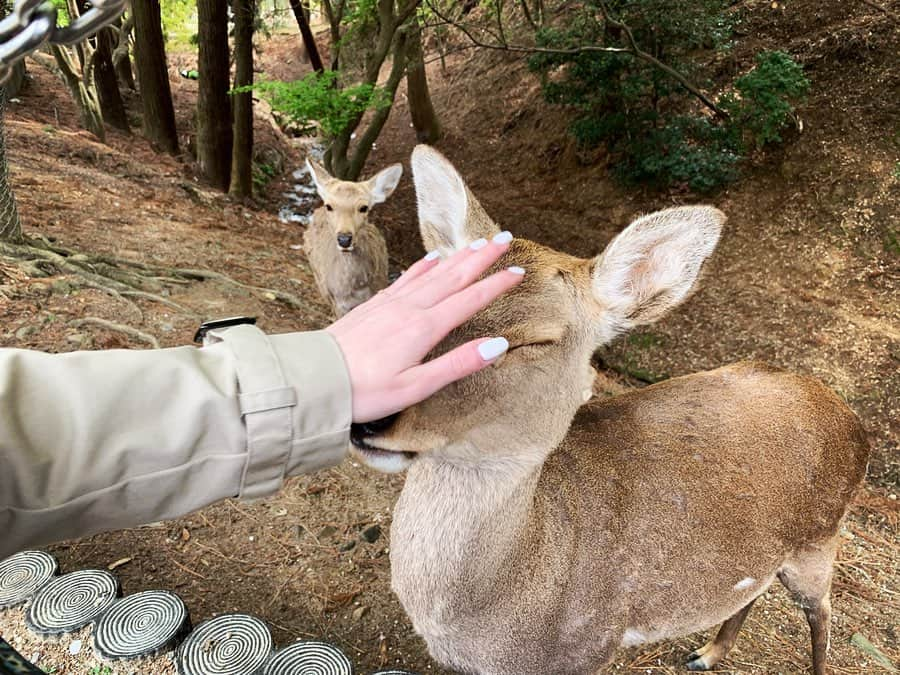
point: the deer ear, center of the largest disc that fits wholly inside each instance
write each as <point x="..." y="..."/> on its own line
<point x="383" y="183"/>
<point x="321" y="178"/>
<point x="450" y="218"/>
<point x="652" y="266"/>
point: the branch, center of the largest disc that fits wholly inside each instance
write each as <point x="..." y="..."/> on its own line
<point x="122" y="46"/>
<point x="632" y="49"/>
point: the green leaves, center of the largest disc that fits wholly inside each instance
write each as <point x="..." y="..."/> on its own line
<point x="317" y="101"/>
<point x="648" y="121"/>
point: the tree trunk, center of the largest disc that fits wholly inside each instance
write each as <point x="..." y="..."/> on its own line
<point x="111" y="104"/>
<point x="242" y="151"/>
<point x="120" y="57"/>
<point x="153" y="75"/>
<point x="83" y="93"/>
<point x="10" y="224"/>
<point x="424" y="119"/>
<point x="301" y="13"/>
<point x="213" y="105"/>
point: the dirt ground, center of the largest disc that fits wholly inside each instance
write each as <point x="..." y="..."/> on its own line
<point x="807" y="277"/>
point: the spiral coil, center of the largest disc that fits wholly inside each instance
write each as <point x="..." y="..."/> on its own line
<point x="71" y="601"/>
<point x="23" y="574"/>
<point x="309" y="657"/>
<point x="231" y="644"/>
<point x="141" y="625"/>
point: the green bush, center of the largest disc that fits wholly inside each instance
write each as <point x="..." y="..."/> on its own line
<point x="317" y="102"/>
<point x="654" y="128"/>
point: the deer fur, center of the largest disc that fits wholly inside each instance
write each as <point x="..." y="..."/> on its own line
<point x="348" y="275"/>
<point x="537" y="535"/>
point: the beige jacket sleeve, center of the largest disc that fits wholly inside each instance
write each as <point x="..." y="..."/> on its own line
<point x="93" y="441"/>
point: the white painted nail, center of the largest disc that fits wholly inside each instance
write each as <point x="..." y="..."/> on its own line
<point x="478" y="244"/>
<point x="503" y="238"/>
<point x="515" y="269"/>
<point x="491" y="349"/>
<point x="433" y="255"/>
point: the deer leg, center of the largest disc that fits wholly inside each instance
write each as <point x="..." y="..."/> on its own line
<point x="712" y="653"/>
<point x="807" y="575"/>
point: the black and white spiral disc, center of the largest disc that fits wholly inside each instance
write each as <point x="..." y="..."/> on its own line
<point x="22" y="574"/>
<point x="141" y="625"/>
<point x="71" y="601"/>
<point x="309" y="657"/>
<point x="231" y="644"/>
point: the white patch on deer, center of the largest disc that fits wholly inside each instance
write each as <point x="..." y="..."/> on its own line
<point x="744" y="583"/>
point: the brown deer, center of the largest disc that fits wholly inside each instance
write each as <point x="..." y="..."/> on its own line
<point x="537" y="535"/>
<point x="346" y="252"/>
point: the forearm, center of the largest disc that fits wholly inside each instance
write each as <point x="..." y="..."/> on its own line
<point x="93" y="441"/>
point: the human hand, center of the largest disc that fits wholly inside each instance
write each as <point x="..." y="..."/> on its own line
<point x="385" y="339"/>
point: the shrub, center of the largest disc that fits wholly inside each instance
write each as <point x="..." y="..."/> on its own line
<point x="316" y="101"/>
<point x="649" y="122"/>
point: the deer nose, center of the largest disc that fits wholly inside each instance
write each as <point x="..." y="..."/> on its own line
<point x="344" y="240"/>
<point x="373" y="428"/>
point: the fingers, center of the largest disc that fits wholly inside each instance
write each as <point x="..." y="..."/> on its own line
<point x="456" y="364"/>
<point x="463" y="305"/>
<point x="458" y="271"/>
<point x="414" y="271"/>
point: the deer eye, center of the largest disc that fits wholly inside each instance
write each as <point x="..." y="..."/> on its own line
<point x="363" y="209"/>
<point x="328" y="207"/>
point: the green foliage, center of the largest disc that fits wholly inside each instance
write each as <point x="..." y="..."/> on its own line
<point x="317" y="101"/>
<point x="763" y="105"/>
<point x="263" y="173"/>
<point x="62" y="12"/>
<point x="100" y="670"/>
<point x="179" y="20"/>
<point x="647" y="120"/>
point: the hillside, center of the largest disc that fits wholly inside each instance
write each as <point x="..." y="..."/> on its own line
<point x="807" y="277"/>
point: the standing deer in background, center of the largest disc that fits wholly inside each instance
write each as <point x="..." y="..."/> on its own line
<point x="347" y="253"/>
<point x="535" y="535"/>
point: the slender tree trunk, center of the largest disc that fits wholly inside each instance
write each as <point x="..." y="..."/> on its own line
<point x="214" y="134"/>
<point x="153" y="75"/>
<point x="120" y="57"/>
<point x="301" y="13"/>
<point x="242" y="151"/>
<point x="111" y="104"/>
<point x="424" y="119"/>
<point x="81" y="87"/>
<point x="10" y="224"/>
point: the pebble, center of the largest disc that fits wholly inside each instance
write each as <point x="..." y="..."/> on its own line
<point x="75" y="647"/>
<point x="371" y="534"/>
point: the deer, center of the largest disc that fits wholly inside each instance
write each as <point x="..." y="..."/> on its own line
<point x="347" y="253"/>
<point x="538" y="531"/>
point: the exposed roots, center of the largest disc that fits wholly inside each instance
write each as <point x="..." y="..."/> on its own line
<point x="118" y="327"/>
<point x="40" y="258"/>
<point x="124" y="278"/>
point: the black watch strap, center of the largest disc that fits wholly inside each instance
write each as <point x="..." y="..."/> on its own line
<point x="207" y="326"/>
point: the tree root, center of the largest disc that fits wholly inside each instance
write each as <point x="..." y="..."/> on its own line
<point x="125" y="279"/>
<point x="37" y="255"/>
<point x="118" y="327"/>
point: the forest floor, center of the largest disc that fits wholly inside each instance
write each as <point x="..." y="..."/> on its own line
<point x="807" y="277"/>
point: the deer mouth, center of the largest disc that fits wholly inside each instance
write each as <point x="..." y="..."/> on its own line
<point x="345" y="249"/>
<point x="381" y="459"/>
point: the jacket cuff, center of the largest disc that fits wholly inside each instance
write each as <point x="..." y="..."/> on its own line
<point x="295" y="400"/>
<point x="314" y="364"/>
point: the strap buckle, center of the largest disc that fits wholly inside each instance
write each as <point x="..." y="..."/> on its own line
<point x="207" y="326"/>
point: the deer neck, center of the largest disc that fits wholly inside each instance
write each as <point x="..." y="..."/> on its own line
<point x="459" y="526"/>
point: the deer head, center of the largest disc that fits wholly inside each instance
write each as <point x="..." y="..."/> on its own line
<point x="347" y="204"/>
<point x="565" y="308"/>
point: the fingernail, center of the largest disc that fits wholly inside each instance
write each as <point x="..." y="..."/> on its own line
<point x="515" y="269"/>
<point x="433" y="255"/>
<point x="491" y="349"/>
<point x="503" y="238"/>
<point x="478" y="244"/>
